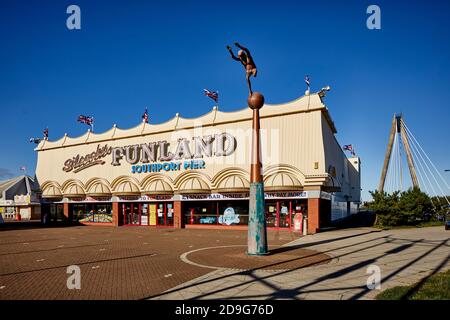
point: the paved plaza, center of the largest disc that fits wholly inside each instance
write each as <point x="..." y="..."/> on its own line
<point x="166" y="263"/>
<point x="115" y="263"/>
<point x="403" y="256"/>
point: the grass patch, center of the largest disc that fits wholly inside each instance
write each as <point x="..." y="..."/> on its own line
<point x="436" y="287"/>
<point x="419" y="225"/>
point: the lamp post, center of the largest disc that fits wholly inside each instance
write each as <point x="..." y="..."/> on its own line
<point x="257" y="230"/>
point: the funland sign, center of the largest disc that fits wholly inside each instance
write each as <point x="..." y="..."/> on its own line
<point x="156" y="156"/>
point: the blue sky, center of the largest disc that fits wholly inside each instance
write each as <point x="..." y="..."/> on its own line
<point x="161" y="54"/>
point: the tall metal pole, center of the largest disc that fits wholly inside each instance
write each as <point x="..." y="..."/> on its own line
<point x="257" y="230"/>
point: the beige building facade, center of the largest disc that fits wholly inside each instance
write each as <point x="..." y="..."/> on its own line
<point x="194" y="173"/>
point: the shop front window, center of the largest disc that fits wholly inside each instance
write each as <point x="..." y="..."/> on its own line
<point x="278" y="213"/>
<point x="233" y="213"/>
<point x="281" y="213"/>
<point x="299" y="212"/>
<point x="271" y="214"/>
<point x="201" y="212"/>
<point x="92" y="212"/>
<point x="8" y="213"/>
<point x="225" y="213"/>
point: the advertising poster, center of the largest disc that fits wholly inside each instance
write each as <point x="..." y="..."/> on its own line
<point x="152" y="209"/>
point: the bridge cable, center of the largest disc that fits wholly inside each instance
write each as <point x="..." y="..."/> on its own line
<point x="437" y="171"/>
<point x="416" y="147"/>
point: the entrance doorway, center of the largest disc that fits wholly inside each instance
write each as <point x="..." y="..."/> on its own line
<point x="131" y="214"/>
<point x="52" y="213"/>
<point x="147" y="214"/>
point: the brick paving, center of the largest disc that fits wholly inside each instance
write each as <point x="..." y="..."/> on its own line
<point x="278" y="259"/>
<point x="115" y="263"/>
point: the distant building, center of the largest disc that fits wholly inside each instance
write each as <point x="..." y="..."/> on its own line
<point x="194" y="173"/>
<point x="20" y="195"/>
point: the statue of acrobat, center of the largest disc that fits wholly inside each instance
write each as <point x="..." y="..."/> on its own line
<point x="246" y="59"/>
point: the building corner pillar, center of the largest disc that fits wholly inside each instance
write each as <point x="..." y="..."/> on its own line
<point x="115" y="214"/>
<point x="66" y="213"/>
<point x="178" y="221"/>
<point x="313" y="215"/>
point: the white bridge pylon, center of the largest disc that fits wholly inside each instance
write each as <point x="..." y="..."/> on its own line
<point x="423" y="172"/>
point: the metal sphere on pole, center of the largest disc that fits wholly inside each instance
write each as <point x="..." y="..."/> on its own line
<point x="257" y="229"/>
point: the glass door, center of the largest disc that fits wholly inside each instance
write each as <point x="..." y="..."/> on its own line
<point x="161" y="214"/>
<point x="284" y="214"/>
<point x="131" y="214"/>
<point x="169" y="213"/>
<point x="157" y="214"/>
<point x="165" y="214"/>
<point x="136" y="215"/>
<point x="144" y="214"/>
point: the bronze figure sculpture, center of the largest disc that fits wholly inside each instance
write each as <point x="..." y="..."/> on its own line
<point x="246" y="59"/>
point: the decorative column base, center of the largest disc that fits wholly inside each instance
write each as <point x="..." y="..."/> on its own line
<point x="257" y="234"/>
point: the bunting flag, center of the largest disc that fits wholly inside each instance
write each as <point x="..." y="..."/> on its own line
<point x="46" y="133"/>
<point x="86" y="119"/>
<point x="307" y="81"/>
<point x="212" y="94"/>
<point x="145" y="116"/>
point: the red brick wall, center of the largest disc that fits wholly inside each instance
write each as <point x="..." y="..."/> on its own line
<point x="66" y="213"/>
<point x="313" y="215"/>
<point x="178" y="221"/>
<point x="117" y="221"/>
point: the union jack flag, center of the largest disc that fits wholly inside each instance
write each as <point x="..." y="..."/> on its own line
<point x="35" y="140"/>
<point x="349" y="147"/>
<point x="307" y="81"/>
<point x="46" y="133"/>
<point x="212" y="94"/>
<point x="145" y="116"/>
<point x="86" y="119"/>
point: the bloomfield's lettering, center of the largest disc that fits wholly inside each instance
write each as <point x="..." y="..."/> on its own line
<point x="79" y="162"/>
